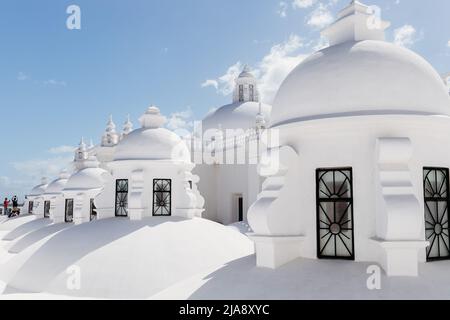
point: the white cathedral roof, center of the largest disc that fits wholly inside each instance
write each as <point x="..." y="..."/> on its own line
<point x="359" y="73"/>
<point x="240" y="115"/>
<point x="39" y="189"/>
<point x="56" y="186"/>
<point x="85" y="179"/>
<point x="152" y="141"/>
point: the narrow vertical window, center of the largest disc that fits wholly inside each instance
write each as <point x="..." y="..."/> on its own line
<point x="252" y="92"/>
<point x="93" y="210"/>
<point x="436" y="200"/>
<point x="30" y="207"/>
<point x="46" y="209"/>
<point x="162" y="197"/>
<point x="241" y="93"/>
<point x="335" y="213"/>
<point x="121" y="198"/>
<point x="69" y="210"/>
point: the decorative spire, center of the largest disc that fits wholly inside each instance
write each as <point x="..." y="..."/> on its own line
<point x="110" y="138"/>
<point x="260" y="120"/>
<point x="91" y="144"/>
<point x="81" y="153"/>
<point x="111" y="126"/>
<point x="152" y="118"/>
<point x="356" y="22"/>
<point x="127" y="127"/>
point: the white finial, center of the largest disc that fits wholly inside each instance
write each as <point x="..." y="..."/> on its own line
<point x="91" y="144"/>
<point x="128" y="126"/>
<point x="152" y="118"/>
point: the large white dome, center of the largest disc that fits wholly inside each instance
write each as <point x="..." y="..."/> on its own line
<point x="362" y="77"/>
<point x="57" y="186"/>
<point x="240" y="115"/>
<point x="152" y="142"/>
<point x="39" y="189"/>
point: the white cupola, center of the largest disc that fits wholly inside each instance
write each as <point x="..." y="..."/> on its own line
<point x="110" y="137"/>
<point x="81" y="153"/>
<point x="246" y="88"/>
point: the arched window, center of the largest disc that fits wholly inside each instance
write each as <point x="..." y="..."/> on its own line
<point x="241" y="93"/>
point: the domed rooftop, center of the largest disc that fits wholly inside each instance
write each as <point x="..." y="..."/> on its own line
<point x="359" y="74"/>
<point x="39" y="189"/>
<point x="239" y="115"/>
<point x="152" y="142"/>
<point x="89" y="175"/>
<point x="56" y="186"/>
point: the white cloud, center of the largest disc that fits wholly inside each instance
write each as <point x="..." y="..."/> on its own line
<point x="225" y="83"/>
<point x="320" y="17"/>
<point x="37" y="168"/>
<point x="62" y="149"/>
<point x="181" y="120"/>
<point x="448" y="43"/>
<point x="405" y="36"/>
<point x="303" y="3"/>
<point x="21" y="76"/>
<point x="53" y="82"/>
<point x="271" y="70"/>
<point x="282" y="9"/>
<point x="277" y="64"/>
<point x="210" y="83"/>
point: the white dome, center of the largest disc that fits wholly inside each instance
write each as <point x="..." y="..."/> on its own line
<point x="240" y="115"/>
<point x="39" y="189"/>
<point x="58" y="185"/>
<point x="89" y="178"/>
<point x="363" y="77"/>
<point x="152" y="142"/>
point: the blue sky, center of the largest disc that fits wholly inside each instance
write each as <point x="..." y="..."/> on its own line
<point x="58" y="84"/>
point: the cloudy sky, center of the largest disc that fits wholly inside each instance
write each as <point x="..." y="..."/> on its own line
<point x="59" y="84"/>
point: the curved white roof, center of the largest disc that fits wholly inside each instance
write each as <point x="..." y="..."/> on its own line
<point x="368" y="76"/>
<point x="88" y="178"/>
<point x="240" y="115"/>
<point x="57" y="186"/>
<point x="39" y="189"/>
<point x="152" y="142"/>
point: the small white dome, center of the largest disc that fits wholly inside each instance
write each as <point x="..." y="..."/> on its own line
<point x="241" y="115"/>
<point x="57" y="186"/>
<point x="151" y="142"/>
<point x="366" y="77"/>
<point x="88" y="178"/>
<point x="39" y="189"/>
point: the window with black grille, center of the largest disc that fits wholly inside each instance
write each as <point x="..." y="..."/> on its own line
<point x="93" y="210"/>
<point x="334" y="189"/>
<point x="121" y="198"/>
<point x="436" y="200"/>
<point x="162" y="197"/>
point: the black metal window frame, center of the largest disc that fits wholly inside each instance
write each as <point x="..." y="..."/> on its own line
<point x="92" y="210"/>
<point x="156" y="207"/>
<point x="348" y="200"/>
<point x="30" y="207"/>
<point x="47" y="205"/>
<point x="431" y="225"/>
<point x="68" y="217"/>
<point x="121" y="192"/>
<point x="241" y="93"/>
